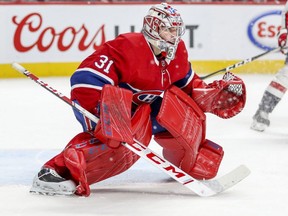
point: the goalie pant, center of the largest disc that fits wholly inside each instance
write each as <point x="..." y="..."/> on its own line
<point x="86" y="160"/>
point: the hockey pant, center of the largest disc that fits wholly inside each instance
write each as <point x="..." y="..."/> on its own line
<point x="184" y="143"/>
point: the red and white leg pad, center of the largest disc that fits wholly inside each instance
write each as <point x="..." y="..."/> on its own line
<point x="208" y="158"/>
<point x="208" y="161"/>
<point x="86" y="160"/>
<point x="185" y="121"/>
<point x="75" y="162"/>
<point x="184" y="143"/>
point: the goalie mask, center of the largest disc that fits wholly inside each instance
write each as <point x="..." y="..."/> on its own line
<point x="163" y="28"/>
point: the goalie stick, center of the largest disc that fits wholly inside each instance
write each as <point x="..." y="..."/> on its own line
<point x="202" y="188"/>
<point x="241" y="63"/>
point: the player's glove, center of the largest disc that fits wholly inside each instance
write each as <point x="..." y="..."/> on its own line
<point x="231" y="100"/>
<point x="282" y="40"/>
<point x="236" y="88"/>
<point x="224" y="98"/>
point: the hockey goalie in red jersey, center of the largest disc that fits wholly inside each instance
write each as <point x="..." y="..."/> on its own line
<point x="128" y="76"/>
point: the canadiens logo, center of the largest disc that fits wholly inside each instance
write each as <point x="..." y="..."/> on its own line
<point x="262" y="30"/>
<point x="146" y="96"/>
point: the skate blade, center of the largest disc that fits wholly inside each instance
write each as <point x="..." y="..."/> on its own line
<point x="48" y="191"/>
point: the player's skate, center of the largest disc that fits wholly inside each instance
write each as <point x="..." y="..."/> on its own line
<point x="49" y="182"/>
<point x="260" y="121"/>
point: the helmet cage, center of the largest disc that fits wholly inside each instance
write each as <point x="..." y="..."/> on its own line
<point x="163" y="19"/>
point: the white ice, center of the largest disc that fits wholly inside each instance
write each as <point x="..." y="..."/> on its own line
<point x="36" y="125"/>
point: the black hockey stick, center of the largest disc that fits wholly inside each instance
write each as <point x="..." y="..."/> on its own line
<point x="241" y="63"/>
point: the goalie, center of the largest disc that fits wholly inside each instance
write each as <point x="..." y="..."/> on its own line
<point x="127" y="75"/>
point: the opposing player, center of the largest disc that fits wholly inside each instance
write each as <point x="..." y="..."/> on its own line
<point x="279" y="84"/>
<point x="122" y="83"/>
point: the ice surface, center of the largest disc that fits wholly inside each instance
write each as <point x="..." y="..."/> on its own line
<point x="36" y="125"/>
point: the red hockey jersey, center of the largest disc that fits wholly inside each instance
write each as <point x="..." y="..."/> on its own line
<point x="128" y="61"/>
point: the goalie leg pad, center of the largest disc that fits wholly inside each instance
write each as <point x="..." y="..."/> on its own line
<point x="186" y="123"/>
<point x="115" y="116"/>
<point x="141" y="124"/>
<point x="208" y="161"/>
<point x="172" y="151"/>
<point x="86" y="161"/>
<point x="75" y="162"/>
<point x="141" y="128"/>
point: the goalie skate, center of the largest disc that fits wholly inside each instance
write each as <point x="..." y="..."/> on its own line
<point x="49" y="182"/>
<point x="260" y="121"/>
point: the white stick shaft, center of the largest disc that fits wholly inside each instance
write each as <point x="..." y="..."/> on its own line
<point x="241" y="63"/>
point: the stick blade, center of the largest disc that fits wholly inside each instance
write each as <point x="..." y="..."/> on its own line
<point x="229" y="180"/>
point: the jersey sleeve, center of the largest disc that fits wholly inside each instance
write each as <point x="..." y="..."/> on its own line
<point x="191" y="81"/>
<point x="98" y="69"/>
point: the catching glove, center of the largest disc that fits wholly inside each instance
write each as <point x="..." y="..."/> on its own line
<point x="224" y="98"/>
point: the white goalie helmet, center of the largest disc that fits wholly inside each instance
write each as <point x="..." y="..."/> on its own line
<point x="163" y="28"/>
